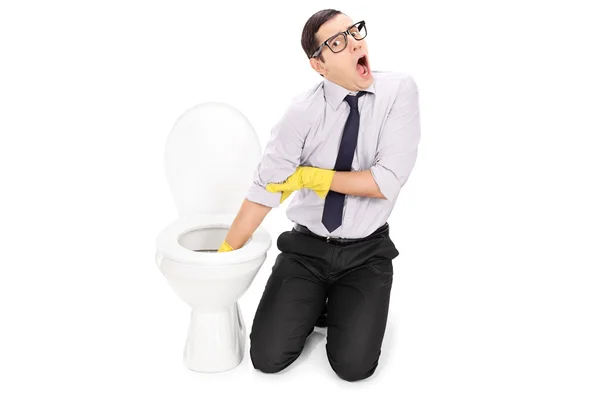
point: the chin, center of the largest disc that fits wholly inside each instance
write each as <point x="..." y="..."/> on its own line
<point x="364" y="83"/>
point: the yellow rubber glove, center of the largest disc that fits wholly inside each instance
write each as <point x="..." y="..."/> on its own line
<point x="224" y="247"/>
<point x="317" y="179"/>
<point x="284" y="194"/>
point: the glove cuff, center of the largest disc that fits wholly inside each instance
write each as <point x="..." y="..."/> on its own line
<point x="224" y="247"/>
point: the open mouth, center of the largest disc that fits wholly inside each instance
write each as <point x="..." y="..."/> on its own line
<point x="362" y="67"/>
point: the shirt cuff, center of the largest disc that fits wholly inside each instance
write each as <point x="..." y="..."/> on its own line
<point x="386" y="180"/>
<point x="260" y="195"/>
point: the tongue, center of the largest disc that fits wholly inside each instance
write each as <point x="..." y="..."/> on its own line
<point x="361" y="69"/>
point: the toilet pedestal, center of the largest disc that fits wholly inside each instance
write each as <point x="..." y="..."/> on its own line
<point x="216" y="339"/>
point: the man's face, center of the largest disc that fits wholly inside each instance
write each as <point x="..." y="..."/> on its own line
<point x="349" y="68"/>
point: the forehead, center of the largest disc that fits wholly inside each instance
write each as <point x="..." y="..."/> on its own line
<point x="336" y="24"/>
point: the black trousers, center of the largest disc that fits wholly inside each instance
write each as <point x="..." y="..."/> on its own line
<point x="354" y="278"/>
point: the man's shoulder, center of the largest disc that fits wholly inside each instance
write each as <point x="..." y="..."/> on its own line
<point x="393" y="82"/>
<point x="309" y="95"/>
<point x="302" y="102"/>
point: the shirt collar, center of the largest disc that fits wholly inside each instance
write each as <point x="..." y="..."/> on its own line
<point x="335" y="94"/>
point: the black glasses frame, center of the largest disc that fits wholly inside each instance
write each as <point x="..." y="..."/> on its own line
<point x="359" y="25"/>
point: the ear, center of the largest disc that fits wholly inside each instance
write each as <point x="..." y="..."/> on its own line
<point x="317" y="65"/>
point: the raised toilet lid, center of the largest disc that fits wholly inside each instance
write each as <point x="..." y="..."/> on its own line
<point x="211" y="156"/>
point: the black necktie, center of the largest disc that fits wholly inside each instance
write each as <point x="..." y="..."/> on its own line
<point x="334" y="202"/>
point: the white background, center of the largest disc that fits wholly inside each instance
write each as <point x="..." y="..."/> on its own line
<point x="496" y="287"/>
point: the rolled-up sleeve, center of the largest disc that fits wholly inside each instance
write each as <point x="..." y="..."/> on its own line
<point x="398" y="144"/>
<point x="280" y="158"/>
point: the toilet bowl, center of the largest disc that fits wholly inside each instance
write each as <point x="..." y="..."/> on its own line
<point x="211" y="155"/>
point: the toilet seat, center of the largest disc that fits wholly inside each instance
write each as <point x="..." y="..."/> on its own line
<point x="168" y="246"/>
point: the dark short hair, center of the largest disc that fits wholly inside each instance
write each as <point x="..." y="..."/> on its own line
<point x="309" y="33"/>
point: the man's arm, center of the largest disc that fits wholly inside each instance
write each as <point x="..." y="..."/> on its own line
<point x="355" y="183"/>
<point x="248" y="219"/>
<point x="396" y="151"/>
<point x="280" y="159"/>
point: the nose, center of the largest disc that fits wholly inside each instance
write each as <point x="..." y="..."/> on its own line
<point x="354" y="44"/>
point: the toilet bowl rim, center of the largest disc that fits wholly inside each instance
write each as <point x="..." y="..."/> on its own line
<point x="168" y="247"/>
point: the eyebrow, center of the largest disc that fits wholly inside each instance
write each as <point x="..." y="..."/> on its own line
<point x="337" y="33"/>
<point x="349" y="26"/>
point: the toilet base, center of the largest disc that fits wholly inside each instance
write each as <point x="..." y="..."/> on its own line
<point x="216" y="339"/>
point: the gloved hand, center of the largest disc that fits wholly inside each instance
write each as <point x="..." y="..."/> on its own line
<point x="284" y="194"/>
<point x="224" y="247"/>
<point x="317" y="179"/>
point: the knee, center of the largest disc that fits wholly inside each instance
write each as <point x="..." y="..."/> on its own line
<point x="353" y="367"/>
<point x="353" y="372"/>
<point x="267" y="358"/>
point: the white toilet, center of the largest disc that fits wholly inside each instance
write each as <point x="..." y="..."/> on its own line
<point x="211" y="155"/>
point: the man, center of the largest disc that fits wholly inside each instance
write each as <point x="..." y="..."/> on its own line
<point x="346" y="147"/>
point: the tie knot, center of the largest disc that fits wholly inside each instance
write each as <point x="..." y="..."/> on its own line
<point x="353" y="100"/>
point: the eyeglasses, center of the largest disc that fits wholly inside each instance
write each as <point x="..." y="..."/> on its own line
<point x="339" y="41"/>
